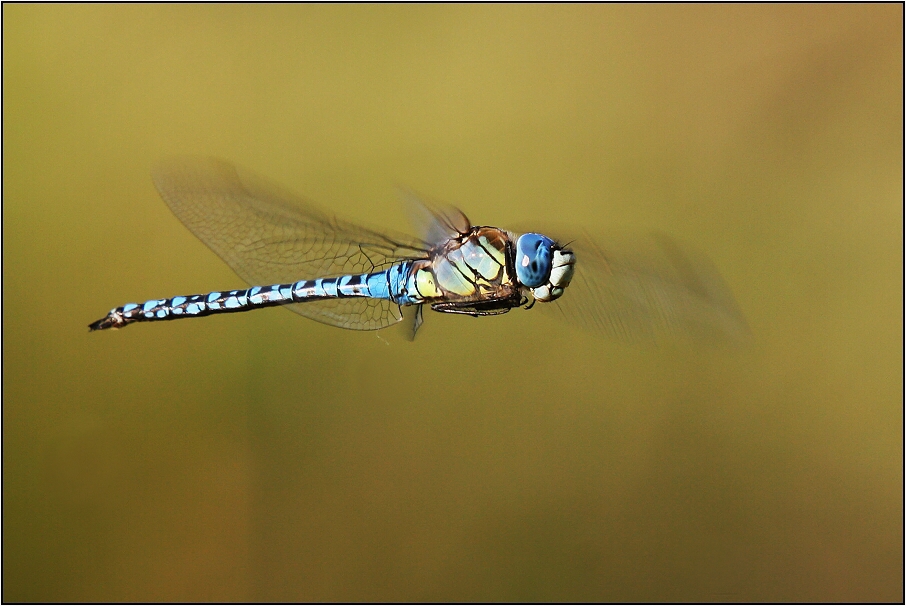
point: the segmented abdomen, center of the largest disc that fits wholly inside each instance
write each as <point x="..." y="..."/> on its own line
<point x="386" y="284"/>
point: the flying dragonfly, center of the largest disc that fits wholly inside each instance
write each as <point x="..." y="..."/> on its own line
<point x="338" y="273"/>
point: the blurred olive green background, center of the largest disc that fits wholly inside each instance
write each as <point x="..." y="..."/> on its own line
<point x="263" y="456"/>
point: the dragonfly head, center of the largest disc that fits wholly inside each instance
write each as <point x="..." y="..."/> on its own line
<point x="543" y="266"/>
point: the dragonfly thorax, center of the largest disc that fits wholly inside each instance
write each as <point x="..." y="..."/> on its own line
<point x="543" y="266"/>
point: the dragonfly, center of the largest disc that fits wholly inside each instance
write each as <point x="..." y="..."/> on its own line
<point x="342" y="274"/>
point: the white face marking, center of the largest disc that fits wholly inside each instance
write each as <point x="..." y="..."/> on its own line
<point x="542" y="293"/>
<point x="564" y="267"/>
<point x="525" y="261"/>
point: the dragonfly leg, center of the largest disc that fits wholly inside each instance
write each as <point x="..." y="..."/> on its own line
<point x="486" y="307"/>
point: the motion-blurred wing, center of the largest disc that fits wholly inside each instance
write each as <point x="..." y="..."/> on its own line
<point x="434" y="221"/>
<point x="649" y="289"/>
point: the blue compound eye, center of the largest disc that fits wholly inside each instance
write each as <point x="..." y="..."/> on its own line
<point x="533" y="259"/>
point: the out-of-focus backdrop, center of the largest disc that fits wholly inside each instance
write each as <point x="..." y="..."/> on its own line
<point x="263" y="456"/>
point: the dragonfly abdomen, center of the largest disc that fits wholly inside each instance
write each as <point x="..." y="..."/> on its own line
<point x="387" y="284"/>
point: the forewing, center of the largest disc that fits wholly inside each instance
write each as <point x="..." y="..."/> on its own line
<point x="649" y="289"/>
<point x="269" y="235"/>
<point x="434" y="221"/>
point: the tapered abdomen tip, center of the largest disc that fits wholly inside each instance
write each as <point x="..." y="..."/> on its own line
<point x="109" y="321"/>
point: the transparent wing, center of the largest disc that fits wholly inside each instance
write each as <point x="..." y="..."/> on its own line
<point x="268" y="235"/>
<point x="433" y="220"/>
<point x="355" y="314"/>
<point x="648" y="289"/>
